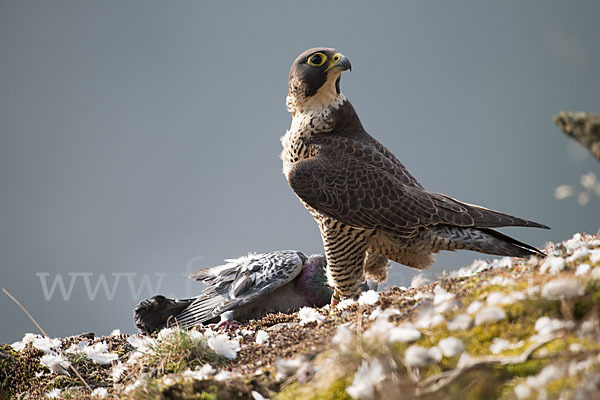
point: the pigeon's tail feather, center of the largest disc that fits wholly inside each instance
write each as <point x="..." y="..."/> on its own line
<point x="483" y="240"/>
<point x="155" y="313"/>
<point x="203" y="309"/>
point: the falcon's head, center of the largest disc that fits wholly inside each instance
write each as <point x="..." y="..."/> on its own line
<point x="315" y="79"/>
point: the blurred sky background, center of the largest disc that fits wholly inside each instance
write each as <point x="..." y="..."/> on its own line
<point x="143" y="136"/>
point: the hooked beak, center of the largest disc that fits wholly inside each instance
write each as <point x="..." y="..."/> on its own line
<point x="339" y="62"/>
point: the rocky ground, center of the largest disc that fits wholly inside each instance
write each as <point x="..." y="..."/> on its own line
<point x="524" y="329"/>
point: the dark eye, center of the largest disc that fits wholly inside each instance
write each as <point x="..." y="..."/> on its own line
<point x="317" y="59"/>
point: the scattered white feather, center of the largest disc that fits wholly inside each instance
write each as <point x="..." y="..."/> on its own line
<point x="496" y="298"/>
<point x="575" y="347"/>
<point x="141" y="343"/>
<point x="166" y="334"/>
<point x="375" y="313"/>
<point x="308" y="315"/>
<point x="553" y="265"/>
<point x="547" y="325"/>
<point x="522" y="391"/>
<point x="244" y="332"/>
<point x="42" y="343"/>
<point x="117" y="370"/>
<point x="419" y="280"/>
<point x="436" y="353"/>
<point x="443" y="300"/>
<point x="451" y="346"/>
<point x="582" y="269"/>
<point x="533" y="290"/>
<point x="576" y="367"/>
<point x="379" y="313"/>
<point x="500" y="281"/>
<point x="549" y="373"/>
<point x="563" y="288"/>
<point x="489" y="314"/>
<point x="53" y="394"/>
<point x="474" y="307"/>
<point x="418" y="356"/>
<point x="224" y="346"/>
<point x="499" y="298"/>
<point x="168" y="381"/>
<point x="595" y="256"/>
<point x="98" y="352"/>
<point x="369" y="298"/>
<point x="200" y="373"/>
<point x="464" y="360"/>
<point x="578" y="254"/>
<point x="99" y="393"/>
<point x="223" y="375"/>
<point x="28" y="338"/>
<point x="499" y="345"/>
<point x="595" y="273"/>
<point x="589" y="326"/>
<point x="130" y="388"/>
<point x="257" y="396"/>
<point x="198" y="337"/>
<point x="423" y="296"/>
<point x="428" y="318"/>
<point x="476" y="267"/>
<point x="366" y="379"/>
<point x="342" y="305"/>
<point x="460" y="322"/>
<point x="575" y="242"/>
<point x="55" y="363"/>
<point x="342" y="338"/>
<point x="290" y="366"/>
<point x="115" y="332"/>
<point x="262" y="337"/>
<point x="404" y="333"/>
<point x="380" y="329"/>
<point x="504" y="262"/>
<point x="517" y="295"/>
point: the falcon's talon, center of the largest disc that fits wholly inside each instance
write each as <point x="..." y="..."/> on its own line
<point x="368" y="206"/>
<point x="225" y="325"/>
<point x="334" y="301"/>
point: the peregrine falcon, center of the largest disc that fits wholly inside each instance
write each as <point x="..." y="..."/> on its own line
<point x="367" y="205"/>
<point x="244" y="288"/>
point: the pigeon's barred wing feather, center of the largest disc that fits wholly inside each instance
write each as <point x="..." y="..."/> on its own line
<point x="355" y="182"/>
<point x="240" y="282"/>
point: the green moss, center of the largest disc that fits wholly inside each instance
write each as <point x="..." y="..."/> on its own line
<point x="562" y="386"/>
<point x="529" y="367"/>
<point x="192" y="389"/>
<point x="588" y="303"/>
<point x="18" y="369"/>
<point x="335" y="391"/>
<point x="180" y="352"/>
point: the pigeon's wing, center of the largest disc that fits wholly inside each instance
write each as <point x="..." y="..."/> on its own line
<point x="355" y="183"/>
<point x="240" y="282"/>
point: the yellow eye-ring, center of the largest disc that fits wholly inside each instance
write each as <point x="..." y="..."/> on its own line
<point x="317" y="59"/>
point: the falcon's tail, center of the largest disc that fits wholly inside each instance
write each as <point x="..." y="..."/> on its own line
<point x="155" y="313"/>
<point x="483" y="240"/>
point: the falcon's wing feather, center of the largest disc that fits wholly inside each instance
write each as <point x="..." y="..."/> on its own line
<point x="255" y="276"/>
<point x="353" y="181"/>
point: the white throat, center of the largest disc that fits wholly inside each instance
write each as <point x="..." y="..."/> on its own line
<point x="326" y="97"/>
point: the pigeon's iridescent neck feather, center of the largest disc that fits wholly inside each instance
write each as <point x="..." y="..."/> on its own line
<point x="312" y="282"/>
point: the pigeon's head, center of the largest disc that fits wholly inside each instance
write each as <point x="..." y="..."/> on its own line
<point x="312" y="281"/>
<point x="315" y="79"/>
